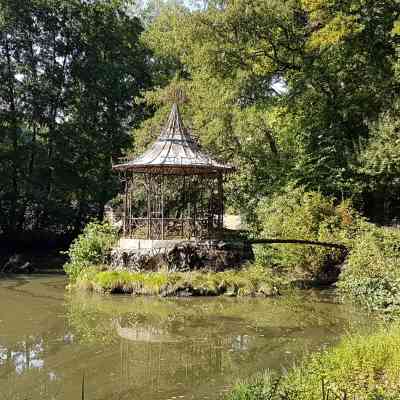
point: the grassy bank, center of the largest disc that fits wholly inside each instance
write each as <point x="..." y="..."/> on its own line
<point x="88" y="269"/>
<point x="252" y="281"/>
<point x="360" y="367"/>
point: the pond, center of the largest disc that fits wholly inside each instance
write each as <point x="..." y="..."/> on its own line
<point x="54" y="345"/>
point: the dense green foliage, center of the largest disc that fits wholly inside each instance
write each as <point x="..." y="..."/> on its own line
<point x="372" y="272"/>
<point x="295" y="92"/>
<point x="296" y="213"/>
<point x="92" y="247"/>
<point x="288" y="90"/>
<point x="69" y="70"/>
<point x="360" y="367"/>
<point x="380" y="162"/>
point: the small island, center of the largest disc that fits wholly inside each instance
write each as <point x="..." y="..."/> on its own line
<point x="181" y="222"/>
<point x="178" y="246"/>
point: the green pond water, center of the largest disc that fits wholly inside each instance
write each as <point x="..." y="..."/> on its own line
<point x="151" y="348"/>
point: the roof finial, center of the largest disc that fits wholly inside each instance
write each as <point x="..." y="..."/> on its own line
<point x="175" y="94"/>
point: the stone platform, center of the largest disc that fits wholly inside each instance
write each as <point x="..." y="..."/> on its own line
<point x="180" y="255"/>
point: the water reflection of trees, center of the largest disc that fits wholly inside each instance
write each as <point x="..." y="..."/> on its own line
<point x="150" y="348"/>
<point x="28" y="354"/>
<point x="190" y="343"/>
<point x="161" y="350"/>
<point x="24" y="374"/>
<point x="24" y="356"/>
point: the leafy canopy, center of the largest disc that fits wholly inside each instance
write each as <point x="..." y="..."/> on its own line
<point x="287" y="90"/>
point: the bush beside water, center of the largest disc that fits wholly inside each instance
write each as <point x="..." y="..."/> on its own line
<point x="298" y="214"/>
<point x="360" y="367"/>
<point x="90" y="248"/>
<point x="372" y="272"/>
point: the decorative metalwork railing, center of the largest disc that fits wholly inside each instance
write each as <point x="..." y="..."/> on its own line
<point x="168" y="228"/>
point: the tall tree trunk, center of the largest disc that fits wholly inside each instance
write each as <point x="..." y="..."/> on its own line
<point x="14" y="134"/>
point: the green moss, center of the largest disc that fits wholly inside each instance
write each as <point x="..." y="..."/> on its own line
<point x="360" y="367"/>
<point x="250" y="281"/>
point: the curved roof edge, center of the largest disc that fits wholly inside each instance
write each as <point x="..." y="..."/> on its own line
<point x="175" y="152"/>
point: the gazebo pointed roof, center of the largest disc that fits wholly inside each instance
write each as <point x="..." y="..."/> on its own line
<point x="174" y="153"/>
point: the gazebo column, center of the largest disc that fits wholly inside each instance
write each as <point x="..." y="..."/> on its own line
<point x="148" y="190"/>
<point x="221" y="202"/>
<point x="210" y="205"/>
<point x="131" y="183"/>
<point x="182" y="211"/>
<point x="125" y="204"/>
<point x="193" y="203"/>
<point x="162" y="207"/>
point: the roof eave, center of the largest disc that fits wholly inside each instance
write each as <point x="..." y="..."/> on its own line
<point x="180" y="169"/>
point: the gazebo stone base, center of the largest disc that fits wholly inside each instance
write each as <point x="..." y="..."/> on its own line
<point x="180" y="255"/>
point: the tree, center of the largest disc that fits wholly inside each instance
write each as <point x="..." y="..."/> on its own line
<point x="69" y="70"/>
<point x="335" y="60"/>
<point x="380" y="165"/>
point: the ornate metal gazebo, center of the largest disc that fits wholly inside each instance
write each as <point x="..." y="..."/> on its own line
<point x="176" y="187"/>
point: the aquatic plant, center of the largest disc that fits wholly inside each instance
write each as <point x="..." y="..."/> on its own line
<point x="260" y="387"/>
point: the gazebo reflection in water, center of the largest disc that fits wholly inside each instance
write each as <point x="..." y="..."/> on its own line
<point x="190" y="362"/>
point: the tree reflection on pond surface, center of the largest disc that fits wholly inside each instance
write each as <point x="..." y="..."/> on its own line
<point x="151" y="348"/>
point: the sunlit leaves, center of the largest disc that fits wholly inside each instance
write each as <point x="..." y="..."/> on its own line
<point x="336" y="60"/>
<point x="336" y="31"/>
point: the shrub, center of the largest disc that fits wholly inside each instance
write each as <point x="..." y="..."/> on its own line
<point x="298" y="214"/>
<point x="92" y="247"/>
<point x="372" y="272"/>
<point x="360" y="367"/>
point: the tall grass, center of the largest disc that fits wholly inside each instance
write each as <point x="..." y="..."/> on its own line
<point x="246" y="282"/>
<point x="360" y="367"/>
